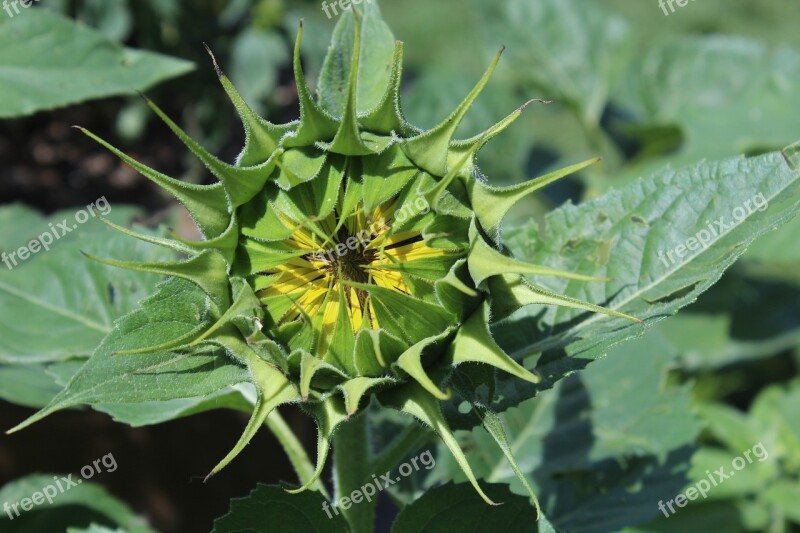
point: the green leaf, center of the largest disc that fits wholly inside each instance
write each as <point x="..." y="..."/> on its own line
<point x="619" y="236"/>
<point x="574" y="54"/>
<point x="730" y="426"/>
<point x="745" y="483"/>
<point x="704" y="340"/>
<point x="718" y="330"/>
<point x="49" y="61"/>
<point x="459" y="508"/>
<point x="776" y="416"/>
<point x="155" y="412"/>
<point x="727" y="95"/>
<point x="269" y="507"/>
<point x="77" y="506"/>
<point x="784" y="496"/>
<point x="775" y="256"/>
<point x="768" y="23"/>
<point x="28" y="385"/>
<point x="601" y="447"/>
<point x="377" y="50"/>
<point x="42" y="353"/>
<point x="176" y="309"/>
<point x="765" y="445"/>
<point x="20" y="215"/>
<point x="635" y="411"/>
<point x="68" y="303"/>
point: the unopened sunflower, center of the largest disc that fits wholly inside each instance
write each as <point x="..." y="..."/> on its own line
<point x="352" y="257"/>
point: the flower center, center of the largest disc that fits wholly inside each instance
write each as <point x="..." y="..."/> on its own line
<point x="347" y="258"/>
<point x="333" y="260"/>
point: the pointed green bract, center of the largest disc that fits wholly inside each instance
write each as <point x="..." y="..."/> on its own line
<point x="315" y="124"/>
<point x="207" y="270"/>
<point x="429" y="150"/>
<point x="225" y="243"/>
<point x="348" y="138"/>
<point x="494" y="426"/>
<point x="474" y="344"/>
<point x="207" y="204"/>
<point x="492" y="204"/>
<point x="417" y="402"/>
<point x="308" y="367"/>
<point x="241" y="183"/>
<point x="485" y="262"/>
<point x="245" y="306"/>
<point x="354" y="390"/>
<point x="411" y="362"/>
<point x="261" y="137"/>
<point x="513" y="292"/>
<point x="273" y="390"/>
<point x="459" y="147"/>
<point x="167" y="243"/>
<point x="329" y="415"/>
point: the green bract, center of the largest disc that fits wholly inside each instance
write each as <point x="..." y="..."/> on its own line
<point x="353" y="256"/>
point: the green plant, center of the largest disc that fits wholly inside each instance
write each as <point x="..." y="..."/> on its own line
<point x="93" y="67"/>
<point x="343" y="257"/>
<point x="287" y="293"/>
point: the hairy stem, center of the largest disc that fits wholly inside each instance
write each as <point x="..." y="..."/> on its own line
<point x="410" y="439"/>
<point x="351" y="468"/>
<point x="294" y="449"/>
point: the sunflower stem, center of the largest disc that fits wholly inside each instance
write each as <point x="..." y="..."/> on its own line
<point x="409" y="440"/>
<point x="294" y="449"/>
<point x="351" y="468"/>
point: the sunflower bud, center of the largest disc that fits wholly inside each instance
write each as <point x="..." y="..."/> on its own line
<point x="354" y="256"/>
